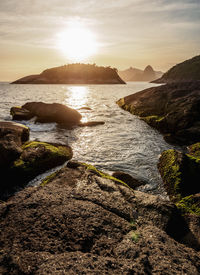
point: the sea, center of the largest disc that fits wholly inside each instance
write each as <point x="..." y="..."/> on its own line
<point x="124" y="143"/>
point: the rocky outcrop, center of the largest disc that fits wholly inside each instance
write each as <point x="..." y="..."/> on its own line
<point x="44" y="112"/>
<point x="22" y="161"/>
<point x="185" y="71"/>
<point x="173" y="109"/>
<point x="78" y="221"/>
<point x="74" y="74"/>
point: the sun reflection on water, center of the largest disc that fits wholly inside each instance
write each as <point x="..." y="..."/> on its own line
<point x="77" y="97"/>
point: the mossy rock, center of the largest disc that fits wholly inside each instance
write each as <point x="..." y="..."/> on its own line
<point x="35" y="159"/>
<point x="154" y="121"/>
<point x="194" y="150"/>
<point x="190" y="204"/>
<point x="180" y="173"/>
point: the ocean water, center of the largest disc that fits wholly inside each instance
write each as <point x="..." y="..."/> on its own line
<point x="123" y="143"/>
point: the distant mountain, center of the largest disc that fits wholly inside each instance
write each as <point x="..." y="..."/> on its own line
<point x="134" y="74"/>
<point x="185" y="71"/>
<point x="74" y="74"/>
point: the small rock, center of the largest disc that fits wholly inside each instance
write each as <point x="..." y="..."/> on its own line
<point x="128" y="179"/>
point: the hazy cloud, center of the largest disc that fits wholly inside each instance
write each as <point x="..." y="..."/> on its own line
<point x="124" y="28"/>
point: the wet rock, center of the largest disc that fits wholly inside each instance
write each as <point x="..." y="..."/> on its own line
<point x="173" y="109"/>
<point x="81" y="222"/>
<point x="85" y="108"/>
<point x="91" y="123"/>
<point x="12" y="135"/>
<point x="19" y="113"/>
<point x="128" y="179"/>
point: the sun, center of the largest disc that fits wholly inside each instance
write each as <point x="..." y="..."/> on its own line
<point x="77" y="43"/>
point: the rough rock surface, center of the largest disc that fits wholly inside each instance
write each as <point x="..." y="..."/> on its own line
<point x="12" y="135"/>
<point x="78" y="222"/>
<point x="173" y="109"/>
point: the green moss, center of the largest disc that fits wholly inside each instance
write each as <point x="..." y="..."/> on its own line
<point x="103" y="175"/>
<point x="135" y="236"/>
<point x="170" y="171"/>
<point x="121" y="102"/>
<point x="190" y="205"/>
<point x="152" y="119"/>
<point x="195" y="150"/>
<point x="38" y="157"/>
<point x="48" y="179"/>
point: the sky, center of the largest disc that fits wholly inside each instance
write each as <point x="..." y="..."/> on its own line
<point x="127" y="33"/>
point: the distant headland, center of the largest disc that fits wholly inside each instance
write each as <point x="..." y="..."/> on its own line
<point x="188" y="70"/>
<point x="134" y="74"/>
<point x="76" y="73"/>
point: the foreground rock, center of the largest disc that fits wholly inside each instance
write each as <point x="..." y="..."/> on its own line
<point x="185" y="71"/>
<point x="81" y="222"/>
<point x="74" y="74"/>
<point x="12" y="135"/>
<point x="45" y="112"/>
<point x="173" y="109"/>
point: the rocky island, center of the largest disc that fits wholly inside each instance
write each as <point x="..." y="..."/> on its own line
<point x="74" y="74"/>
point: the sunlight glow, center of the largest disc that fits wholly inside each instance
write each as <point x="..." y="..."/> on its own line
<point x="77" y="96"/>
<point x="77" y="43"/>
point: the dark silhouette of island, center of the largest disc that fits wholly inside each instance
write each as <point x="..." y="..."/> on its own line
<point x="76" y="73"/>
<point x="188" y="70"/>
<point x="134" y="74"/>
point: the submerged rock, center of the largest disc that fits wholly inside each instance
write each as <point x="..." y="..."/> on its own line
<point x="173" y="109"/>
<point x="46" y="112"/>
<point x="91" y="123"/>
<point x="12" y="135"/>
<point x="80" y="222"/>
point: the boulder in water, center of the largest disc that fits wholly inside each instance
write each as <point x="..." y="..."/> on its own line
<point x="46" y="112"/>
